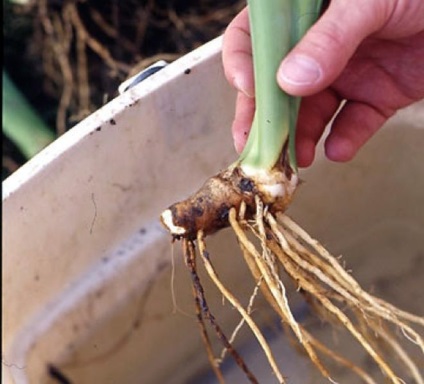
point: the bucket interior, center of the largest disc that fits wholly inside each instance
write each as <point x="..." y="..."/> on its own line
<point x="95" y="291"/>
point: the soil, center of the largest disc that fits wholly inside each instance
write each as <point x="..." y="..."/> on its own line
<point x="69" y="57"/>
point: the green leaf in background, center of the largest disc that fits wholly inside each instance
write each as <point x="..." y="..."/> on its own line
<point x="21" y="123"/>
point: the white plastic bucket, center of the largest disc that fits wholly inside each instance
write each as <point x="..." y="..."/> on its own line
<point x="86" y="265"/>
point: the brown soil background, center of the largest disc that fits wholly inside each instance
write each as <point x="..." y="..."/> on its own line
<point x="69" y="57"/>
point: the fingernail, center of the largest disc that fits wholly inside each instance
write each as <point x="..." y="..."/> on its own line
<point x="339" y="149"/>
<point x="299" y="70"/>
<point x="241" y="84"/>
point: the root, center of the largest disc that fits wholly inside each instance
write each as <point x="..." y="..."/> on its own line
<point x="277" y="294"/>
<point x="321" y="276"/>
<point x="202" y="308"/>
<point x="242" y="321"/>
<point x="380" y="328"/>
<point x="271" y="242"/>
<point x="236" y="304"/>
<point x="389" y="311"/>
<point x="88" y="48"/>
<point x="199" y="300"/>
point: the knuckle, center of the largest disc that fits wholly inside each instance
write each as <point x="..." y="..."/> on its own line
<point x="331" y="37"/>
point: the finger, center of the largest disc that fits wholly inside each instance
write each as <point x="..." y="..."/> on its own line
<point x="245" y="109"/>
<point x="320" y="57"/>
<point x="353" y="126"/>
<point x="315" y="113"/>
<point x="237" y="54"/>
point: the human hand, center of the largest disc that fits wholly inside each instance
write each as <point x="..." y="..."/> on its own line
<point x="368" y="54"/>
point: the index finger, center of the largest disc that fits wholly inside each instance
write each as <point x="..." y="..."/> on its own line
<point x="237" y="54"/>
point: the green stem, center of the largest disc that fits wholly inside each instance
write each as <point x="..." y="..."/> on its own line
<point x="21" y="123"/>
<point x="276" y="26"/>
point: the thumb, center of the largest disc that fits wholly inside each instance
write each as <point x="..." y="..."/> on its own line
<point x="319" y="58"/>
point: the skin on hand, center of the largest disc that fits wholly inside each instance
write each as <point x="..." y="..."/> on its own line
<point x="363" y="59"/>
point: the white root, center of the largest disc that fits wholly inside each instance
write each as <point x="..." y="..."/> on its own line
<point x="236" y="304"/>
<point x="334" y="292"/>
